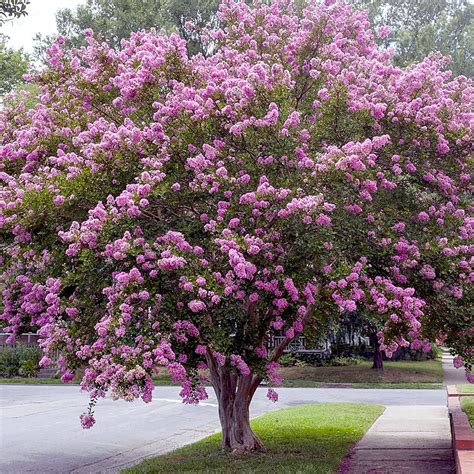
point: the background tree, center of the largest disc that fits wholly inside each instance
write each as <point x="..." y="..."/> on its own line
<point x="419" y="27"/>
<point x="351" y="326"/>
<point x="13" y="65"/>
<point x="10" y="9"/>
<point x="160" y="209"/>
<point x="117" y="19"/>
<point x="25" y="94"/>
<point x="190" y="18"/>
<point x="114" y="19"/>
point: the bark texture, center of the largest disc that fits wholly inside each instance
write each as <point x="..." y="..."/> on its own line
<point x="378" y="359"/>
<point x="234" y="394"/>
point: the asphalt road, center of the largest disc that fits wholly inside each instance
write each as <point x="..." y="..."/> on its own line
<point x="40" y="430"/>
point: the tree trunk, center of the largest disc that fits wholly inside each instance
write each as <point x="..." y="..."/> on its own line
<point x="378" y="360"/>
<point x="235" y="421"/>
<point x="234" y="394"/>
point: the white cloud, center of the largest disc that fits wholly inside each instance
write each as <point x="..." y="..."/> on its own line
<point x="41" y="18"/>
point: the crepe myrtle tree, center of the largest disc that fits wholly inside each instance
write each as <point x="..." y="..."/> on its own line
<point x="159" y="210"/>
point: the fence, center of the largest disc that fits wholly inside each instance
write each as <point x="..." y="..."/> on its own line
<point x="298" y="345"/>
<point x="28" y="339"/>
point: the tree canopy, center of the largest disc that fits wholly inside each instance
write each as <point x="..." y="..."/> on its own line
<point x="166" y="210"/>
<point x="420" y="27"/>
<point x="10" y="9"/>
<point x="13" y="65"/>
<point x="416" y="27"/>
<point x="117" y="19"/>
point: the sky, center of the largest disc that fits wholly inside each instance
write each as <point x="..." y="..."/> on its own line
<point x="41" y="18"/>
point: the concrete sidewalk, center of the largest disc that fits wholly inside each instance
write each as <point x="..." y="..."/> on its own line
<point x="408" y="439"/>
<point x="405" y="439"/>
<point x="452" y="376"/>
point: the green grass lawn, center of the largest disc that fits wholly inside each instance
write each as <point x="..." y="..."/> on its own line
<point x="33" y="381"/>
<point x="396" y="374"/>
<point x="467" y="403"/>
<point x="303" y="439"/>
<point x="399" y="374"/>
<point x="466" y="388"/>
<point x="163" y="379"/>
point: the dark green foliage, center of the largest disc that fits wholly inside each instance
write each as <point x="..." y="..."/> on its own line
<point x="344" y="361"/>
<point x="13" y="64"/>
<point x="418" y="27"/>
<point x="25" y="94"/>
<point x="291" y="360"/>
<point x="117" y="19"/>
<point x="9" y="362"/>
<point x="28" y="368"/>
<point x="12" y="9"/>
<point x="202" y="13"/>
<point x="19" y="360"/>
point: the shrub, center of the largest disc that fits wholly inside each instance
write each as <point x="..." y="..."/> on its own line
<point x="288" y="360"/>
<point x="404" y="353"/>
<point x="344" y="349"/>
<point x="9" y="362"/>
<point x="344" y="361"/>
<point x="19" y="360"/>
<point x="29" y="360"/>
<point x="28" y="368"/>
<point x="315" y="359"/>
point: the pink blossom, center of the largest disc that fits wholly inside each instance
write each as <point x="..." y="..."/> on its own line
<point x="272" y="395"/>
<point x="196" y="306"/>
<point x="87" y="421"/>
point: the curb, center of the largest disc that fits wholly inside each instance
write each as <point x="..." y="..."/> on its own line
<point x="461" y="432"/>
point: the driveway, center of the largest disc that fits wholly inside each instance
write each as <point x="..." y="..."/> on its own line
<point x="40" y="430"/>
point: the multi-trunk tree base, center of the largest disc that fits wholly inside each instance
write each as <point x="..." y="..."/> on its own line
<point x="234" y="394"/>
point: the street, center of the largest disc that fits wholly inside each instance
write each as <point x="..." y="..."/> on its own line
<point x="40" y="430"/>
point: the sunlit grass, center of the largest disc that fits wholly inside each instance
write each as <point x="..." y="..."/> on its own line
<point x="303" y="439"/>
